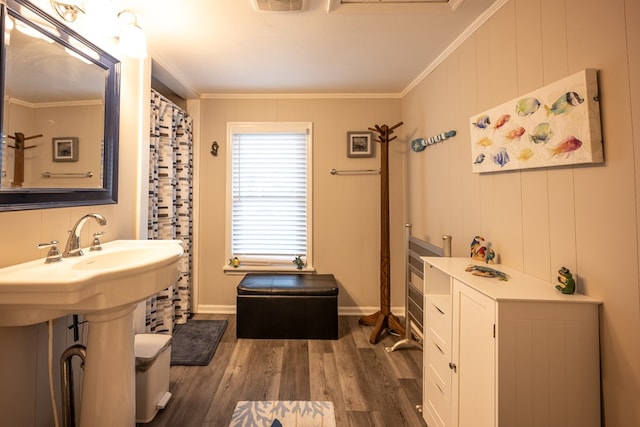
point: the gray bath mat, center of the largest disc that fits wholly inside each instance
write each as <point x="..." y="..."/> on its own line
<point x="195" y="342"/>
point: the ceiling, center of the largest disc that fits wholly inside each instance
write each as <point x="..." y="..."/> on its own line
<point x="204" y="47"/>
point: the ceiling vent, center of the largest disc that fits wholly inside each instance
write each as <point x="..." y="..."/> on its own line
<point x="280" y="5"/>
<point x="366" y="5"/>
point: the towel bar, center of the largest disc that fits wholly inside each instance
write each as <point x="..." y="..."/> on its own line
<point x="355" y="172"/>
<point x="67" y="175"/>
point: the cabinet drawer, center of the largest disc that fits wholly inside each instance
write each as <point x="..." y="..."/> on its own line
<point x="437" y="399"/>
<point x="430" y="415"/>
<point x="438" y="317"/>
<point x="438" y="358"/>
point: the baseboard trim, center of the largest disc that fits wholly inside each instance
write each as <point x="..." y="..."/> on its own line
<point x="342" y="311"/>
<point x="215" y="309"/>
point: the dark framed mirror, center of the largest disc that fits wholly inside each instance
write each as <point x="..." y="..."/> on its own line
<point x="60" y="114"/>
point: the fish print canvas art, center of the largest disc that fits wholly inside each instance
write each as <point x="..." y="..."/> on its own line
<point x="557" y="125"/>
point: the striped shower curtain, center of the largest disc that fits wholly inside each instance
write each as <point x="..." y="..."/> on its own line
<point x="170" y="203"/>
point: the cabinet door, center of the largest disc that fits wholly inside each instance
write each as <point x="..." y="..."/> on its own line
<point x="473" y="364"/>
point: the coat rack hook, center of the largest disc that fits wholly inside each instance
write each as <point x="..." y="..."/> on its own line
<point x="214" y="148"/>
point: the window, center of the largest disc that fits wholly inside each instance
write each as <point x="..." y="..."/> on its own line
<point x="269" y="195"/>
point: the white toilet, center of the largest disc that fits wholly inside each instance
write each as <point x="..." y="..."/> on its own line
<point x="153" y="357"/>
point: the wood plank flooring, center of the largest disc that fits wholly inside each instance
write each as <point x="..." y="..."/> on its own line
<point x="368" y="386"/>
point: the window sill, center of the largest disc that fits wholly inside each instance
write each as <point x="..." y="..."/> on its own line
<point x="265" y="269"/>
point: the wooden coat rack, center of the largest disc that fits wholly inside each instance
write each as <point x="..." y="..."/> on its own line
<point x="384" y="319"/>
<point x="18" y="163"/>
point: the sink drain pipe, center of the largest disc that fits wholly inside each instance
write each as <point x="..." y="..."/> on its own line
<point x="66" y="372"/>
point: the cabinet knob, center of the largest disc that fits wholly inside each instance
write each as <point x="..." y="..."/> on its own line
<point x="453" y="367"/>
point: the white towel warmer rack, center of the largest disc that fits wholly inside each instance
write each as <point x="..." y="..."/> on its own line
<point x="414" y="249"/>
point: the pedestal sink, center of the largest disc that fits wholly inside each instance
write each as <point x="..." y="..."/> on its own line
<point x="104" y="285"/>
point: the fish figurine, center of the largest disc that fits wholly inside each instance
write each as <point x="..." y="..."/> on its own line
<point x="485" y="142"/>
<point x="502" y="120"/>
<point x="564" y="103"/>
<point x="501" y="158"/>
<point x="482" y="122"/>
<point x="479" y="159"/>
<point x="542" y="133"/>
<point x="527" y="106"/>
<point x="525" y="154"/>
<point x="515" y="133"/>
<point x="567" y="146"/>
<point x="482" y="271"/>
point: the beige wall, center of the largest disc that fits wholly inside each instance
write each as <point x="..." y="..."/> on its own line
<point x="81" y="121"/>
<point x="583" y="217"/>
<point x="346" y="213"/>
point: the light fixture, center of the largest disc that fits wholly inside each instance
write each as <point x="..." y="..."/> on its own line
<point x="102" y="18"/>
<point x="132" y="40"/>
<point x="67" y="11"/>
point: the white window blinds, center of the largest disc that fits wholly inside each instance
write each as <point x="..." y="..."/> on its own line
<point x="269" y="192"/>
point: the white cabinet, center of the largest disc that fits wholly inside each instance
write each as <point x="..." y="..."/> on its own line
<point x="507" y="353"/>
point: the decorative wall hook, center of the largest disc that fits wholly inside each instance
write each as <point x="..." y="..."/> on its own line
<point x="214" y="149"/>
<point x="420" y="144"/>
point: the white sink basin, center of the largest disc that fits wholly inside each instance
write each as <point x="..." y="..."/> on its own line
<point x="124" y="272"/>
<point x="103" y="285"/>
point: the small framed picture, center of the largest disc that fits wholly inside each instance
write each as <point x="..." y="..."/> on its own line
<point x="65" y="149"/>
<point x="360" y="144"/>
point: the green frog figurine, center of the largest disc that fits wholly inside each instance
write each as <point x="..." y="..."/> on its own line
<point x="567" y="282"/>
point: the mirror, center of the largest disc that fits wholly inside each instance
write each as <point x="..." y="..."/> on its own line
<point x="59" y="117"/>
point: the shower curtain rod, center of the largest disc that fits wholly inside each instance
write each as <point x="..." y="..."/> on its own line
<point x="168" y="101"/>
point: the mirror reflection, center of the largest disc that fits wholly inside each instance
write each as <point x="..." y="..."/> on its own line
<point x="60" y="114"/>
<point x="53" y="114"/>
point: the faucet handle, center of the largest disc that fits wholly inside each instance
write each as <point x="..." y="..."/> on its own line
<point x="54" y="254"/>
<point x="96" y="245"/>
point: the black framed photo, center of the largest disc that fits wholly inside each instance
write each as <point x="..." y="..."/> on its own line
<point x="360" y="144"/>
<point x="65" y="149"/>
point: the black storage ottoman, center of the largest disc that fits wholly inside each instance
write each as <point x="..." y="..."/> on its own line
<point x="287" y="306"/>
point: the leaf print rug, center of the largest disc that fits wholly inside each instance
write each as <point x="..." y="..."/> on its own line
<point x="283" y="413"/>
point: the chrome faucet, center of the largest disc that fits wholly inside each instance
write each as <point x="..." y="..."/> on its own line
<point x="73" y="247"/>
